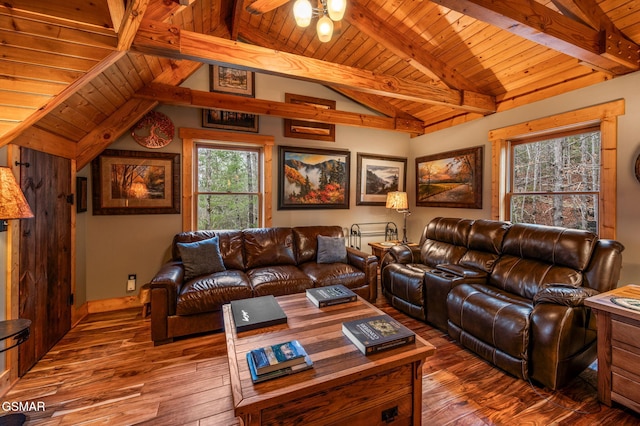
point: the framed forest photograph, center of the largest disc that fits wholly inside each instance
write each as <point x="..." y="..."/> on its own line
<point x="311" y="178"/>
<point x="133" y="182"/>
<point x="378" y="175"/>
<point x="450" y="179"/>
<point x="232" y="80"/>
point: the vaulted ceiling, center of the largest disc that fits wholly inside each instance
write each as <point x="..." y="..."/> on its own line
<point x="76" y="75"/>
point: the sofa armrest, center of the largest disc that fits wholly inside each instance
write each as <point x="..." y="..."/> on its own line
<point x="561" y="294"/>
<point x="368" y="264"/>
<point x="400" y="254"/>
<point x="169" y="278"/>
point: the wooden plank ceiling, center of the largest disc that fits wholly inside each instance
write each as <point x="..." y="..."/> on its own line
<point x="75" y="75"/>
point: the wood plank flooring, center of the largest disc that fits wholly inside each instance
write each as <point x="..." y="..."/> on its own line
<point x="106" y="371"/>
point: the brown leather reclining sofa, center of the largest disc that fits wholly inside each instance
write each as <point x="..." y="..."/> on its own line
<point x="511" y="293"/>
<point x="253" y="262"/>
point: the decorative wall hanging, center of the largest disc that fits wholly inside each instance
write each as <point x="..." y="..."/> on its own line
<point x="313" y="178"/>
<point x="133" y="182"/>
<point x="450" y="179"/>
<point x="154" y="130"/>
<point x="233" y="81"/>
<point x="307" y="129"/>
<point x="378" y="175"/>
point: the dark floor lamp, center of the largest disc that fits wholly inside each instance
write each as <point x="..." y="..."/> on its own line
<point x="398" y="200"/>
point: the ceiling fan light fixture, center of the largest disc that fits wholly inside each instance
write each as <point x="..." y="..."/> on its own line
<point x="336" y="9"/>
<point x="302" y="12"/>
<point x="324" y="29"/>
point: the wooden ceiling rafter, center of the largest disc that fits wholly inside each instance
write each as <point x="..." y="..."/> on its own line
<point x="544" y="26"/>
<point x="396" y="40"/>
<point x="131" y="20"/>
<point x="169" y="41"/>
<point x="182" y="96"/>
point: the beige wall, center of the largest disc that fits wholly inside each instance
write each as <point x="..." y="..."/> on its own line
<point x="120" y="245"/>
<point x="476" y="133"/>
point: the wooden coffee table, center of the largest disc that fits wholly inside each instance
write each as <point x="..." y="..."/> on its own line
<point x="344" y="386"/>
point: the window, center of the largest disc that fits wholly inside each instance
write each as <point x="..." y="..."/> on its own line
<point x="556" y="180"/>
<point x="228" y="189"/>
<point x="544" y="169"/>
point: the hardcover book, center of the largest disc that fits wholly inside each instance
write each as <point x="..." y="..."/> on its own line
<point x="257" y="312"/>
<point x="257" y="378"/>
<point x="378" y="333"/>
<point x="330" y="295"/>
<point x="276" y="357"/>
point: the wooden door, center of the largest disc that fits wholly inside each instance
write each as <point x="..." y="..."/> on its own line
<point x="45" y="254"/>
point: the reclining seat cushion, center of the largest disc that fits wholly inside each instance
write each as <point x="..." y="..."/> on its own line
<point x="445" y="241"/>
<point x="209" y="292"/>
<point x="484" y="245"/>
<point x="492" y="323"/>
<point x="404" y="288"/>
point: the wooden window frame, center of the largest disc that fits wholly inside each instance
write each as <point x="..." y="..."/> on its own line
<point x="603" y="116"/>
<point x="191" y="137"/>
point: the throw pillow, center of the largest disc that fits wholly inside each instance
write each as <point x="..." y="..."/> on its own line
<point x="201" y="258"/>
<point x="331" y="250"/>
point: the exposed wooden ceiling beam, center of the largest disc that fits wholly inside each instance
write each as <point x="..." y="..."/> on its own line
<point x="183" y="96"/>
<point x="588" y="12"/>
<point x="131" y="22"/>
<point x="42" y="140"/>
<point x="396" y="39"/>
<point x="164" y="40"/>
<point x="116" y="10"/>
<point x="373" y="102"/>
<point x="538" y="23"/>
<point x="258" y="7"/>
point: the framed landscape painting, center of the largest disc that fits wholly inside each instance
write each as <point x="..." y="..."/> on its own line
<point x="311" y="178"/>
<point x="232" y="80"/>
<point x="450" y="179"/>
<point x="378" y="175"/>
<point x="133" y="182"/>
<point x="229" y="120"/>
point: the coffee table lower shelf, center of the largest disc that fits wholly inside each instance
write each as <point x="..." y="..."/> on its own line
<point x="344" y="387"/>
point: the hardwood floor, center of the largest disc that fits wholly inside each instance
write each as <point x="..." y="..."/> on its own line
<point x="106" y="371"/>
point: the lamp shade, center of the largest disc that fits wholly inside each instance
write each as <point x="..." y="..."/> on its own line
<point x="336" y="9"/>
<point x="397" y="200"/>
<point x="302" y="12"/>
<point x="325" y="29"/>
<point x="13" y="205"/>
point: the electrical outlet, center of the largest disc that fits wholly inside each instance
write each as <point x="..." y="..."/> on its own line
<point x="131" y="282"/>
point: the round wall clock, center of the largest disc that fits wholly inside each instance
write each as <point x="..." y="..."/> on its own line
<point x="154" y="130"/>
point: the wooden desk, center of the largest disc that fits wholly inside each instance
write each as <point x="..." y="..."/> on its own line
<point x="618" y="347"/>
<point x="343" y="387"/>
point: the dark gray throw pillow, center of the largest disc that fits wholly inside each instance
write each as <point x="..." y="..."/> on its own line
<point x="201" y="258"/>
<point x="331" y="250"/>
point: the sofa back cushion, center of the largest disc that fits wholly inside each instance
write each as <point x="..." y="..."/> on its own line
<point x="444" y="240"/>
<point x="230" y="243"/>
<point x="484" y="244"/>
<point x="536" y="255"/>
<point x="306" y="240"/>
<point x="268" y="247"/>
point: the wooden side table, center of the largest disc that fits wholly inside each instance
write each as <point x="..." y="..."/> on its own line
<point x="380" y="249"/>
<point x="618" y="346"/>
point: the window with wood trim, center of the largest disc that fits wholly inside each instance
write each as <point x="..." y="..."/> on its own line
<point x="573" y="170"/>
<point x="556" y="180"/>
<point x="228" y="191"/>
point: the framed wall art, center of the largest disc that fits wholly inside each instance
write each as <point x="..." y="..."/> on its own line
<point x="229" y="120"/>
<point x="81" y="194"/>
<point x="232" y="80"/>
<point x="450" y="179"/>
<point x="310" y="178"/>
<point x="377" y="175"/>
<point x="307" y="129"/>
<point x="133" y="182"/>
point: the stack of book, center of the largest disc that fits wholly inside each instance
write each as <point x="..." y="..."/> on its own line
<point x="257" y="312"/>
<point x="378" y="333"/>
<point x="278" y="360"/>
<point x="330" y="295"/>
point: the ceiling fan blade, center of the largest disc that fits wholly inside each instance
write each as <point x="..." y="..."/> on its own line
<point x="263" y="6"/>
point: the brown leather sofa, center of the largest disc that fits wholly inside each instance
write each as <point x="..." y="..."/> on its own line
<point x="257" y="262"/>
<point x="511" y="293"/>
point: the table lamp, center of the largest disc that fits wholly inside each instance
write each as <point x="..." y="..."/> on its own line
<point x="13" y="205"/>
<point x="398" y="200"/>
